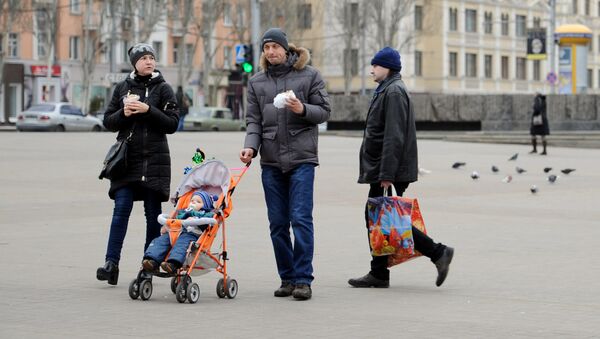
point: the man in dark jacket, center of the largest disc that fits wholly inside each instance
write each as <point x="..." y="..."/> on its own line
<point x="388" y="156"/>
<point x="287" y="140"/>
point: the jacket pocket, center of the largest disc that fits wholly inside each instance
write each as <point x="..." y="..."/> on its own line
<point x="303" y="142"/>
<point x="269" y="147"/>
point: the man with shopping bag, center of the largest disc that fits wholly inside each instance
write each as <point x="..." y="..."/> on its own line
<point x="388" y="157"/>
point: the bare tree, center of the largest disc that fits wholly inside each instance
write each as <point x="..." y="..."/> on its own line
<point x="12" y="19"/>
<point x="181" y="15"/>
<point x="149" y="14"/>
<point x="93" y="43"/>
<point x="204" y="26"/>
<point x="386" y="17"/>
<point x="46" y="16"/>
<point x="350" y="18"/>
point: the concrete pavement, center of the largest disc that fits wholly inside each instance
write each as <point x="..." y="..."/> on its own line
<point x="525" y="265"/>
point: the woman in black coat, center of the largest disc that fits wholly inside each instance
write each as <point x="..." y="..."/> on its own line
<point x="144" y="106"/>
<point x="539" y="123"/>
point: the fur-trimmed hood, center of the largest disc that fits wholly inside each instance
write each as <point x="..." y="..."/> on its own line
<point x="303" y="57"/>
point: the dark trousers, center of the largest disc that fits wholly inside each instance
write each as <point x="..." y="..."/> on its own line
<point x="424" y="244"/>
<point x="120" y="219"/>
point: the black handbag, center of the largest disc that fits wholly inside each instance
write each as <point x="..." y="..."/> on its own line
<point x="115" y="162"/>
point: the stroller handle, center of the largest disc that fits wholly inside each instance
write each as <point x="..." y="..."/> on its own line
<point x="163" y="218"/>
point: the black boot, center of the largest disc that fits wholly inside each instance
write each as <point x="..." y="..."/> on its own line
<point x="534" y="144"/>
<point x="110" y="272"/>
<point x="443" y="265"/>
<point x="368" y="280"/>
<point x="544" y="145"/>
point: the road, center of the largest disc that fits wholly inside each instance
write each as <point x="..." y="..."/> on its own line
<point x="525" y="264"/>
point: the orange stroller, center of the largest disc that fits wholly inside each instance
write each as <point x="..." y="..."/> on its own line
<point x="211" y="176"/>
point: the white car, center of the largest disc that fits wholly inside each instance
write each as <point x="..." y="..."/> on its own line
<point x="56" y="116"/>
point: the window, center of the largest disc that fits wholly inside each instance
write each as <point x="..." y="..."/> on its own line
<point x="574" y="6"/>
<point x="521" y="25"/>
<point x="521" y="68"/>
<point x="418" y="63"/>
<point x="471" y="65"/>
<point x="504" y="61"/>
<point x="470" y="20"/>
<point x="13" y="45"/>
<point x="487" y="66"/>
<point x="175" y="52"/>
<point x="189" y="54"/>
<point x="590" y="78"/>
<point x="537" y="74"/>
<point x="599" y="15"/>
<point x="157" y="45"/>
<point x="537" y="22"/>
<point x="74" y="6"/>
<point x="587" y="7"/>
<point x="453" y="21"/>
<point x="227" y="15"/>
<point x="124" y="54"/>
<point x="504" y="23"/>
<point x="488" y="23"/>
<point x="353" y="10"/>
<point x="74" y="48"/>
<point x="241" y="16"/>
<point x="598" y="78"/>
<point x="351" y="58"/>
<point x="227" y="57"/>
<point x="41" y="22"/>
<point x="452" y="63"/>
<point x="305" y="16"/>
<point x="418" y="18"/>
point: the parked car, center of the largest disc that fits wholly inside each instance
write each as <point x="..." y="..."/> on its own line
<point x="212" y="119"/>
<point x="56" y="116"/>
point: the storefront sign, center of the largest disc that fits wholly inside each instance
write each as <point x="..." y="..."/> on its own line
<point x="42" y="70"/>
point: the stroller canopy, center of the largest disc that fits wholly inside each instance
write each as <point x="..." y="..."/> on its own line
<point x="211" y="176"/>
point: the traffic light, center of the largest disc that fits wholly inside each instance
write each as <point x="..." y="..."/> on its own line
<point x="248" y="64"/>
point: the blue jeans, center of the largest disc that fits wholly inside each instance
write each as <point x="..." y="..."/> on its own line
<point x="120" y="219"/>
<point x="289" y="198"/>
<point x="160" y="246"/>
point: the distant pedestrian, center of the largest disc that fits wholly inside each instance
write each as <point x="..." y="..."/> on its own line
<point x="184" y="102"/>
<point x="287" y="140"/>
<point x="143" y="107"/>
<point x="539" y="123"/>
<point x="388" y="156"/>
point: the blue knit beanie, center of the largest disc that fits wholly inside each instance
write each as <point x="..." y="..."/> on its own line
<point x="207" y="199"/>
<point x="388" y="58"/>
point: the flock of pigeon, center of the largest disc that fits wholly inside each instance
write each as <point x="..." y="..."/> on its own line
<point x="551" y="178"/>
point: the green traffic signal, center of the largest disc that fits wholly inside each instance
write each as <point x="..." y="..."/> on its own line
<point x="247" y="67"/>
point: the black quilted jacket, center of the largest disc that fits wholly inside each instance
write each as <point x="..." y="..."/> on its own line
<point x="148" y="158"/>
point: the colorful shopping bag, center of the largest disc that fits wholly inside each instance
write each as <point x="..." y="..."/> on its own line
<point x="390" y="230"/>
<point x="417" y="222"/>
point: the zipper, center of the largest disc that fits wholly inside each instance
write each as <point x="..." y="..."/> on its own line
<point x="144" y="153"/>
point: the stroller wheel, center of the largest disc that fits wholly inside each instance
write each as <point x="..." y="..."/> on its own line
<point x="134" y="289"/>
<point x="220" y="289"/>
<point x="193" y="293"/>
<point x="174" y="282"/>
<point x="232" y="288"/>
<point x="181" y="292"/>
<point x="146" y="289"/>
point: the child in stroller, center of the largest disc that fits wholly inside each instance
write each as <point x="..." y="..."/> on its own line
<point x="201" y="205"/>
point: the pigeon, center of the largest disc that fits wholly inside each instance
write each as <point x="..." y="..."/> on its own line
<point x="533" y="189"/>
<point x="495" y="169"/>
<point x="567" y="170"/>
<point x="547" y="169"/>
<point x="507" y="179"/>
<point x="520" y="170"/>
<point x="552" y="178"/>
<point x="474" y="175"/>
<point x="458" y="164"/>
<point x="514" y="157"/>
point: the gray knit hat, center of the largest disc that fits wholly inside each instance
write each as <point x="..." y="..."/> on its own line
<point x="139" y="50"/>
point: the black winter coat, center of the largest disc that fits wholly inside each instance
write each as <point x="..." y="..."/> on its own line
<point x="539" y="108"/>
<point x="148" y="157"/>
<point x="389" y="147"/>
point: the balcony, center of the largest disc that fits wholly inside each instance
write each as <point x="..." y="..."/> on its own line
<point x="91" y="22"/>
<point x="177" y="29"/>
